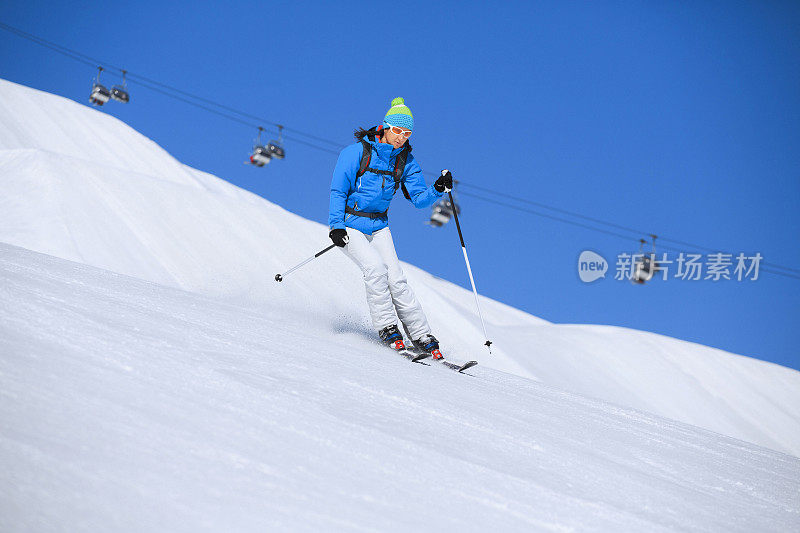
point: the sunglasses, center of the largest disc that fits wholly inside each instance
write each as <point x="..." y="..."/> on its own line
<point x="399" y="131"/>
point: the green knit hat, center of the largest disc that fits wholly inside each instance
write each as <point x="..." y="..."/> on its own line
<point x="399" y="115"/>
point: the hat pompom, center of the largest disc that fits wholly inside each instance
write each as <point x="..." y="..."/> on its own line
<point x="397" y="101"/>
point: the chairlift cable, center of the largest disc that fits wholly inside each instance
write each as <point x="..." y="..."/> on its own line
<point x="225" y="115"/>
<point x="557" y="209"/>
<point x="228" y="115"/>
<point x="88" y="60"/>
<point x="610" y="224"/>
<point x="769" y="266"/>
<point x="200" y="106"/>
<point x="233" y="110"/>
<point x="72" y="55"/>
<point x="154" y="85"/>
<point x="769" y="270"/>
<point x="545" y="215"/>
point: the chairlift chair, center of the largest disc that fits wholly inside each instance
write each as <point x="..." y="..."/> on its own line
<point x="442" y="211"/>
<point x="260" y="155"/>
<point x="646" y="266"/>
<point x="275" y="148"/>
<point x="120" y="92"/>
<point x="99" y="94"/>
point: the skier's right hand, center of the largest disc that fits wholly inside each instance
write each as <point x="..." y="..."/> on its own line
<point x="339" y="237"/>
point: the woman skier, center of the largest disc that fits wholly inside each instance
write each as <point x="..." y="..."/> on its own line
<point x="366" y="178"/>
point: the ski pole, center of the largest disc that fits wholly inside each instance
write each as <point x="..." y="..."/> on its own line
<point x="279" y="277"/>
<point x="488" y="343"/>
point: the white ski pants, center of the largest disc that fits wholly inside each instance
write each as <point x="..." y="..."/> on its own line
<point x="386" y="284"/>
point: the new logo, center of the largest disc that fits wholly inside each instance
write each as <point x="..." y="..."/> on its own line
<point x="591" y="266"/>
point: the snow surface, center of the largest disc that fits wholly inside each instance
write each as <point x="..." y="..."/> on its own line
<point x="83" y="186"/>
<point x="131" y="406"/>
<point x="162" y="380"/>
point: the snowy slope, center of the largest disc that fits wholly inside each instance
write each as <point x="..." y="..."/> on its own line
<point x="130" y="406"/>
<point x="80" y="185"/>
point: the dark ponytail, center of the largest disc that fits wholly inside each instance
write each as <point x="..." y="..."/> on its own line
<point x="360" y="133"/>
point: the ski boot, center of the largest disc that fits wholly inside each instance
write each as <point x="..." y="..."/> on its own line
<point x="428" y="343"/>
<point x="391" y="337"/>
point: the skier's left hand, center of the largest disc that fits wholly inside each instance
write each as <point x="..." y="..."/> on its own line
<point x="445" y="182"/>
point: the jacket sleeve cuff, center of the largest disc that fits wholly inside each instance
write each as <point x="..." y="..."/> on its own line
<point x="338" y="225"/>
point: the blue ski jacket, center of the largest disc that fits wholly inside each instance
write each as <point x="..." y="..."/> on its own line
<point x="372" y="193"/>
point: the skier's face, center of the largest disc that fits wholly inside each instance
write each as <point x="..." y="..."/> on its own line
<point x="396" y="140"/>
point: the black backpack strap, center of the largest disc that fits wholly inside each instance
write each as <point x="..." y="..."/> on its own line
<point x="400" y="161"/>
<point x="367" y="153"/>
<point x="405" y="191"/>
<point x="365" y="157"/>
<point x="351" y="211"/>
<point x="400" y="168"/>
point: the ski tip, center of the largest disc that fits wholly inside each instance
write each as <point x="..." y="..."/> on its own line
<point x="468" y="364"/>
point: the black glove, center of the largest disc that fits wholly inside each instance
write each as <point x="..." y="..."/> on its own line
<point x="445" y="182"/>
<point x="339" y="237"/>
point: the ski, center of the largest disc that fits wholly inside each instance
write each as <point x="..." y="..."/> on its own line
<point x="454" y="366"/>
<point x="414" y="357"/>
<point x="412" y="353"/>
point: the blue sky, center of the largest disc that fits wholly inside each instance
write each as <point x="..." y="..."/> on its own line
<point x="677" y="118"/>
